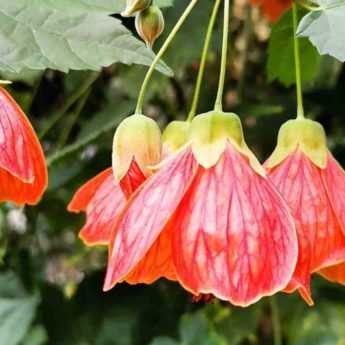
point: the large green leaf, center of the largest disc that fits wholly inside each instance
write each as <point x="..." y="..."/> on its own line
<point x="281" y="63"/>
<point x="39" y="34"/>
<point x="17" y="309"/>
<point x="107" y="6"/>
<point x="325" y="28"/>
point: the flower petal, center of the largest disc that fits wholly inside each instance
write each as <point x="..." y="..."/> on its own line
<point x="334" y="273"/>
<point x="146" y="215"/>
<point x="320" y="238"/>
<point x="132" y="179"/>
<point x="233" y="234"/>
<point x="156" y="263"/>
<point x="102" y="200"/>
<point x="334" y="180"/>
<point x="23" y="171"/>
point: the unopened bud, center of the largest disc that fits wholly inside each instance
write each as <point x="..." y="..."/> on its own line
<point x="134" y="6"/>
<point x="150" y="24"/>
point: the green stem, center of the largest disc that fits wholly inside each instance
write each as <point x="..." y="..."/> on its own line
<point x="72" y="120"/>
<point x="277" y="335"/>
<point x="300" y="109"/>
<point x="69" y="102"/>
<point x="209" y="31"/>
<point x="219" y="100"/>
<point x="164" y="47"/>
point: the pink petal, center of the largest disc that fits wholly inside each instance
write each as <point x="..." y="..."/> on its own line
<point x="146" y="215"/>
<point x="102" y="200"/>
<point x="320" y="238"/>
<point x="334" y="180"/>
<point x="233" y="234"/>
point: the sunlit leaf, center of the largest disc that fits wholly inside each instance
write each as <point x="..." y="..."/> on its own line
<point x="325" y="28"/>
<point x="38" y="34"/>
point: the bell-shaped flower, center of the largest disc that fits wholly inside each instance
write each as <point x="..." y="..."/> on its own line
<point x="309" y="178"/>
<point x="23" y="171"/>
<point x="136" y="147"/>
<point x="273" y="9"/>
<point x="212" y="215"/>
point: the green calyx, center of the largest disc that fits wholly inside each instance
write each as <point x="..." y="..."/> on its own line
<point x="210" y="133"/>
<point x="137" y="137"/>
<point x="306" y="135"/>
<point x="175" y="135"/>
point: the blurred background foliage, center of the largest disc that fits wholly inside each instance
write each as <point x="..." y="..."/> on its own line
<point x="50" y="284"/>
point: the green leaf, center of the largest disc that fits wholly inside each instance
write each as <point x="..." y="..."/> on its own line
<point x="36" y="336"/>
<point x="37" y="34"/>
<point x="281" y="62"/>
<point x="326" y="29"/>
<point x="164" y="341"/>
<point x="195" y="330"/>
<point x="17" y="310"/>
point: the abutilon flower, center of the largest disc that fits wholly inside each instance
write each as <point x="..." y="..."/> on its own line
<point x="23" y="171"/>
<point x="104" y="197"/>
<point x="309" y="178"/>
<point x="273" y="9"/>
<point x="209" y="217"/>
<point x="137" y="145"/>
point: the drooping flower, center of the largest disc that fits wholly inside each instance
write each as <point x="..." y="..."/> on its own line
<point x="308" y="177"/>
<point x="23" y="171"/>
<point x="210" y="214"/>
<point x="136" y="147"/>
<point x="273" y="9"/>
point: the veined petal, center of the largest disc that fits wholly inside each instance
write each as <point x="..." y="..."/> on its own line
<point x="156" y="263"/>
<point x="320" y="238"/>
<point x="102" y="200"/>
<point x="146" y="214"/>
<point x="334" y="273"/>
<point x="334" y="180"/>
<point x="132" y="179"/>
<point x="23" y="171"/>
<point x="233" y="234"/>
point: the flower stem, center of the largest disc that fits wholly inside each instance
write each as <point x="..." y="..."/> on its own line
<point x="300" y="108"/>
<point x="209" y="31"/>
<point x="164" y="47"/>
<point x="219" y="100"/>
<point x="277" y="336"/>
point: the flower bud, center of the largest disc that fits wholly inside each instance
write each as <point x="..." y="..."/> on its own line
<point x="175" y="135"/>
<point x="150" y="24"/>
<point x="307" y="135"/>
<point x="138" y="140"/>
<point x="134" y="6"/>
